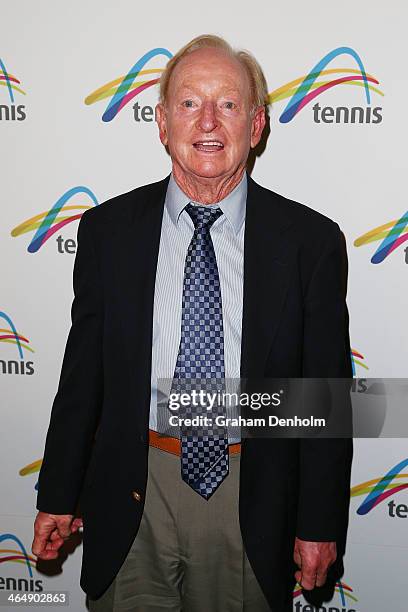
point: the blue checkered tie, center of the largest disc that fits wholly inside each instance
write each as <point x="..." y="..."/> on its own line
<point x="204" y="449"/>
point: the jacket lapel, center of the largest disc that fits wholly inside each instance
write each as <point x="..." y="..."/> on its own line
<point x="267" y="267"/>
<point x="136" y="273"/>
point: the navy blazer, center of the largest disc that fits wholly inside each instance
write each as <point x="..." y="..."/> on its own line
<point x="295" y="324"/>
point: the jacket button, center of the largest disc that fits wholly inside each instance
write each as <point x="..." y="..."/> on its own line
<point x="136" y="496"/>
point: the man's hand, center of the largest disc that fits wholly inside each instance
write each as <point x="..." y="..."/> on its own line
<point x="50" y="532"/>
<point x="313" y="559"/>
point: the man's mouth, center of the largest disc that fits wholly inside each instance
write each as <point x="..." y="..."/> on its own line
<point x="208" y="145"/>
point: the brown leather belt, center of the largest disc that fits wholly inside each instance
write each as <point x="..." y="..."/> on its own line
<point x="173" y="445"/>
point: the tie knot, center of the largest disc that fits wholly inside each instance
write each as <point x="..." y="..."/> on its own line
<point x="203" y="216"/>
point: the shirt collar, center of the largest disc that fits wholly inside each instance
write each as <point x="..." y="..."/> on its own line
<point x="233" y="205"/>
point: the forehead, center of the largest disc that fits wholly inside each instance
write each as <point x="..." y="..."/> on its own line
<point x="209" y="66"/>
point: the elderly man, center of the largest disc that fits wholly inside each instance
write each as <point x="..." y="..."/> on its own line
<point x="204" y="274"/>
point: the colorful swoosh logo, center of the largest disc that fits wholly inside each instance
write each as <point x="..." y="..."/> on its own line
<point x="393" y="234"/>
<point x="10" y="82"/>
<point x="342" y="589"/>
<point x="10" y="335"/>
<point x="301" y="90"/>
<point x="357" y="359"/>
<point x="306" y="88"/>
<point x="48" y="223"/>
<point x="123" y="89"/>
<point x="16" y="556"/>
<point x="379" y="489"/>
<point x="31" y="468"/>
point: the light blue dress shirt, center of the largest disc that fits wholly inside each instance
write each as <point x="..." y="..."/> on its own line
<point x="227" y="234"/>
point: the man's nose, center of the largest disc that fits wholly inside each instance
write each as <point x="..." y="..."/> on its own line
<point x="208" y="116"/>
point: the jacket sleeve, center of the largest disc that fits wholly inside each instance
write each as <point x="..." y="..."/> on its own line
<point x="77" y="403"/>
<point x="325" y="463"/>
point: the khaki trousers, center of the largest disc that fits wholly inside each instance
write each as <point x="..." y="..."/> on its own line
<point x="188" y="554"/>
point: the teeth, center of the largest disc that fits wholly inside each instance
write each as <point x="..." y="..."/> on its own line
<point x="212" y="143"/>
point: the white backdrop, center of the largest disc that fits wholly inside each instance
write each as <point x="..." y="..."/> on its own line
<point x="55" y="55"/>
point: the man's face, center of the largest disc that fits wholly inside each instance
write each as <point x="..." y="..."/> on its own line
<point x="207" y="122"/>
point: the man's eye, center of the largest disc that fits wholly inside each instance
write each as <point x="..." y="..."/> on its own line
<point x="230" y="105"/>
<point x="188" y="103"/>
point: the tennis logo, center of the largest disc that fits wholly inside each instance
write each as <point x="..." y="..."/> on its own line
<point x="344" y="597"/>
<point x="377" y="490"/>
<point x="124" y="89"/>
<point x="10" y="335"/>
<point x="306" y="89"/>
<point x="31" y="468"/>
<point x="357" y="360"/>
<point x="64" y="211"/>
<point x="13" y="551"/>
<point x="11" y="85"/>
<point x="301" y="91"/>
<point x="358" y="385"/>
<point x="392" y="235"/>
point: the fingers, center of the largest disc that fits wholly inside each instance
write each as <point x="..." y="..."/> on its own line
<point x="308" y="578"/>
<point x="64" y="526"/>
<point x="298" y="576"/>
<point x="314" y="560"/>
<point x="311" y="580"/>
<point x="321" y="577"/>
<point x="53" y="544"/>
<point x="76" y="524"/>
<point x="39" y="545"/>
<point x="50" y="532"/>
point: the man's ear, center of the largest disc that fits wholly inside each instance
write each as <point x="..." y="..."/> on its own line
<point x="160" y="114"/>
<point x="258" y="124"/>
